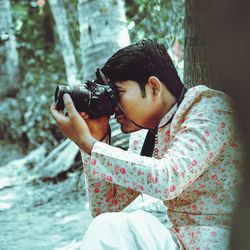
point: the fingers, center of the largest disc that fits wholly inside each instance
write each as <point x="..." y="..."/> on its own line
<point x="53" y="106"/>
<point x="69" y="105"/>
<point x="84" y="115"/>
<point x="57" y="115"/>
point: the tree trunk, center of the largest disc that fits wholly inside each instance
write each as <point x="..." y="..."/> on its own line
<point x="198" y="66"/>
<point x="226" y="25"/>
<point x="63" y="156"/>
<point x="103" y="30"/>
<point x="61" y="21"/>
<point x="8" y="53"/>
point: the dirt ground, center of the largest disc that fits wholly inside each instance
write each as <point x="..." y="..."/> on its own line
<point x="38" y="215"/>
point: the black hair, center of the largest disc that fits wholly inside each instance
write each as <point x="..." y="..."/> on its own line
<point x="139" y="61"/>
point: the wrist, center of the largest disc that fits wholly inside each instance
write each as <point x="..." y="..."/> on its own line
<point x="87" y="144"/>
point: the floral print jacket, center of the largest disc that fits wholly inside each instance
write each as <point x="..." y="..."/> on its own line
<point x="195" y="169"/>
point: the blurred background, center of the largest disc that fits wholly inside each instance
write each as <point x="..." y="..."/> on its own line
<point x="48" y="42"/>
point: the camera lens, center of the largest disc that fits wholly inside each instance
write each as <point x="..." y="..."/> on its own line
<point x="60" y="91"/>
<point x="79" y="94"/>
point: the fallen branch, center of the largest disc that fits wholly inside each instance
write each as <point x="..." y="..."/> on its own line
<point x="59" y="160"/>
<point x="32" y="158"/>
<point x="54" y="153"/>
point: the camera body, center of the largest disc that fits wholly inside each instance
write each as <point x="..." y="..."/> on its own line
<point x="96" y="98"/>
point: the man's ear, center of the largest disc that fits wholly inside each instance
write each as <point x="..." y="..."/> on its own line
<point x="155" y="85"/>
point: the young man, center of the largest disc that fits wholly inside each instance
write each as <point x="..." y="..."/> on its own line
<point x="193" y="166"/>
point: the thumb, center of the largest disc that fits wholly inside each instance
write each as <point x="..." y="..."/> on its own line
<point x="69" y="105"/>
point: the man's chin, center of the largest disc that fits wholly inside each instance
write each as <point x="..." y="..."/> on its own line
<point x="127" y="126"/>
<point x="128" y="129"/>
<point x="125" y="131"/>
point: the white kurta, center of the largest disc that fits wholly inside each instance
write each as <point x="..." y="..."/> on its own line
<point x="195" y="170"/>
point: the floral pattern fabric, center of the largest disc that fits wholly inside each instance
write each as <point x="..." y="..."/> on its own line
<point x="195" y="169"/>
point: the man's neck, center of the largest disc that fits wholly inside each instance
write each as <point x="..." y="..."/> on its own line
<point x="167" y="104"/>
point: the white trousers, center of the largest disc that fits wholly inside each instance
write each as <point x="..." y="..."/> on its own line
<point x="128" y="231"/>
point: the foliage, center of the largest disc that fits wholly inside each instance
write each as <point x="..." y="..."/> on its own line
<point x="37" y="125"/>
<point x="41" y="67"/>
<point x="10" y="119"/>
<point x="160" y="20"/>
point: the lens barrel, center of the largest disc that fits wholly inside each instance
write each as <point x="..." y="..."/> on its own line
<point x="79" y="94"/>
<point x="60" y="91"/>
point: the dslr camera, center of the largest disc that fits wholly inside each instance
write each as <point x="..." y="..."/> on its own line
<point x="96" y="98"/>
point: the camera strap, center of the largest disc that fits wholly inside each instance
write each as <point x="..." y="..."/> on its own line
<point x="149" y="142"/>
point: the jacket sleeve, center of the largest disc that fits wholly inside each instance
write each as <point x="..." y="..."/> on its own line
<point x="103" y="195"/>
<point x="203" y="133"/>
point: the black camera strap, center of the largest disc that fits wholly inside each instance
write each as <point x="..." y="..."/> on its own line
<point x="149" y="142"/>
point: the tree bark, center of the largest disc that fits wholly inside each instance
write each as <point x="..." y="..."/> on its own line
<point x="226" y="25"/>
<point x="198" y="65"/>
<point x="8" y="53"/>
<point x="61" y="21"/>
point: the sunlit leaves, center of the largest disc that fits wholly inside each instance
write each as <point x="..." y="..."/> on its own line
<point x="156" y="19"/>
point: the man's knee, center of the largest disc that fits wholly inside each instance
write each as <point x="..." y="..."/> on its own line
<point x="102" y="231"/>
<point x="108" y="221"/>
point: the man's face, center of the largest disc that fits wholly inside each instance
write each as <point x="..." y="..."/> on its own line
<point x="132" y="107"/>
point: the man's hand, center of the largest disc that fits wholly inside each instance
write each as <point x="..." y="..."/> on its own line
<point x="73" y="126"/>
<point x="98" y="127"/>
